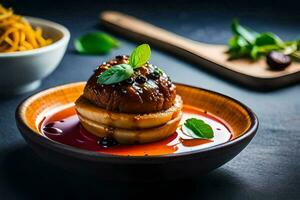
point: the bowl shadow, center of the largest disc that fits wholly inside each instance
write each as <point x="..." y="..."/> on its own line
<point x="32" y="178"/>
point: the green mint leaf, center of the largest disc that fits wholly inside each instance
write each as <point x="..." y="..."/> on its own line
<point x="237" y="42"/>
<point x="95" y="43"/>
<point x="199" y="128"/>
<point x="254" y="52"/>
<point x="237" y="29"/>
<point x="238" y="47"/>
<point x="268" y="39"/>
<point x="115" y="74"/>
<point x="140" y="56"/>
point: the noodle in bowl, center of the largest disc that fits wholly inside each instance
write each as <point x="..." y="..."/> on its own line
<point x="17" y="34"/>
<point x="22" y="71"/>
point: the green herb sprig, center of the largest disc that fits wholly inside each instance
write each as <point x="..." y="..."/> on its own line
<point x="250" y="44"/>
<point x="119" y="73"/>
<point x="140" y="56"/>
<point x="197" y="128"/>
<point x="95" y="43"/>
<point x="115" y="74"/>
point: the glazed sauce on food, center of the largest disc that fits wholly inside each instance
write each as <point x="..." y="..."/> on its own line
<point x="148" y="89"/>
<point x="64" y="127"/>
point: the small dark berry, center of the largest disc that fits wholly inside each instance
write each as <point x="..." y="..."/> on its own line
<point x="119" y="57"/>
<point x="141" y="79"/>
<point x="154" y="75"/>
<point x="278" y="61"/>
<point x="107" y="142"/>
<point x="129" y="81"/>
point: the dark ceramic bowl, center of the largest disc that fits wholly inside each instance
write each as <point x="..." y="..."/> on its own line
<point x="240" y="118"/>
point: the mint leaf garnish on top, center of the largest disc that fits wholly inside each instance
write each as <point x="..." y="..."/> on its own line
<point x="198" y="128"/>
<point x="115" y="74"/>
<point x="119" y="73"/>
<point x="140" y="56"/>
<point x="95" y="43"/>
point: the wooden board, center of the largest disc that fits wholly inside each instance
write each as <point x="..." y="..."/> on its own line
<point x="212" y="57"/>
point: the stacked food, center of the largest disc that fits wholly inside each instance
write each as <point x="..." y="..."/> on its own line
<point x="130" y="100"/>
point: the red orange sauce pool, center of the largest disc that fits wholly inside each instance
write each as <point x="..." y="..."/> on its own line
<point x="64" y="127"/>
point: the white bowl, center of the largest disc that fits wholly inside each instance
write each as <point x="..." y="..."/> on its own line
<point x="23" y="71"/>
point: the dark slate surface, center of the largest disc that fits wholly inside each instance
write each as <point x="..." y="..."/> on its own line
<point x="266" y="169"/>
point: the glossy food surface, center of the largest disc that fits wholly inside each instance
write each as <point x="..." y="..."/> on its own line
<point x="148" y="90"/>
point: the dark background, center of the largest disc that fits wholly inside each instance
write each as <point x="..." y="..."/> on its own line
<point x="266" y="169"/>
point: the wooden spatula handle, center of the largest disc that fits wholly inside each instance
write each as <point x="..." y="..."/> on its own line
<point x="209" y="56"/>
<point x="145" y="32"/>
